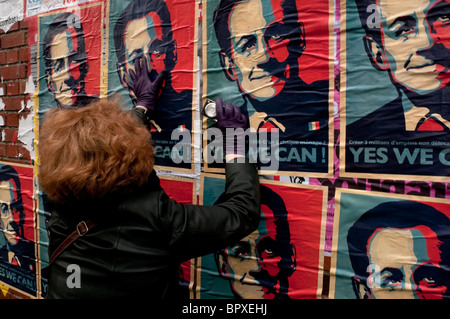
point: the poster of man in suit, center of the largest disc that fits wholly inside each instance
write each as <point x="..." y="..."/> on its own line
<point x="258" y="55"/>
<point x="401" y="129"/>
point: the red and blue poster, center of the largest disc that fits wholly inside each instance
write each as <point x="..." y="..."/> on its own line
<point x="390" y="246"/>
<point x="395" y="92"/>
<point x="164" y="34"/>
<point x="17" y="242"/>
<point x="282" y="259"/>
<point x="264" y="56"/>
<point x="70" y="57"/>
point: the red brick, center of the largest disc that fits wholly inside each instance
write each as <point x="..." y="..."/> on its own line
<point x="14" y="27"/>
<point x="12" y="151"/>
<point x="3" y="57"/>
<point x="12" y="119"/>
<point x="12" y="56"/>
<point x="9" y="134"/>
<point x="14" y="39"/>
<point x="22" y="86"/>
<point x="13" y="72"/>
<point x="2" y="150"/>
<point x="23" y="24"/>
<point x="24" y="154"/>
<point x="12" y="88"/>
<point x="13" y="103"/>
<point x="15" y="88"/>
<point x="23" y="54"/>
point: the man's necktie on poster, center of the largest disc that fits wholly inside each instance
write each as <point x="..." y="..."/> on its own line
<point x="430" y="123"/>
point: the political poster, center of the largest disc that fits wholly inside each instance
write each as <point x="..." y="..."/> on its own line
<point x="69" y="57"/>
<point x="282" y="259"/>
<point x="17" y="240"/>
<point x="394" y="92"/>
<point x="390" y="246"/>
<point x="263" y="56"/>
<point x="163" y="35"/>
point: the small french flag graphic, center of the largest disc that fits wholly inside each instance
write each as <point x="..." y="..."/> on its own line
<point x="314" y="125"/>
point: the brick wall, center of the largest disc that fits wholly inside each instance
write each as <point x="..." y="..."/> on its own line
<point x="14" y="61"/>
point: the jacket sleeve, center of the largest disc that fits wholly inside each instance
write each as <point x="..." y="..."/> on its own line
<point x="196" y="230"/>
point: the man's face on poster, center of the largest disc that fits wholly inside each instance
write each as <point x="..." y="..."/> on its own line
<point x="416" y="41"/>
<point x="260" y="43"/>
<point x="9" y="216"/>
<point x="405" y="264"/>
<point x="267" y="245"/>
<point x="254" y="262"/>
<point x="144" y="38"/>
<point x="241" y="262"/>
<point x="65" y="75"/>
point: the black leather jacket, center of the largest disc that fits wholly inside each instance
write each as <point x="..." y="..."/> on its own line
<point x="140" y="239"/>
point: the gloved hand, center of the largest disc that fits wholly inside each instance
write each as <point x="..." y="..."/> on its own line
<point x="146" y="91"/>
<point x="230" y="116"/>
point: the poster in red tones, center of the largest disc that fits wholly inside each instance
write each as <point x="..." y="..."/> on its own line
<point x="180" y="189"/>
<point x="70" y="45"/>
<point x="314" y="61"/>
<point x="282" y="259"/>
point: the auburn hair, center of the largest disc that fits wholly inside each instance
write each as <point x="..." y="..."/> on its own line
<point x="89" y="152"/>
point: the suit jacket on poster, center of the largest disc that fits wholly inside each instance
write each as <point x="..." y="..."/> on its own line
<point x="386" y="128"/>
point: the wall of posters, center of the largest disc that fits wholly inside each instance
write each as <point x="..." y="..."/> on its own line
<point x="10" y="12"/>
<point x="348" y="110"/>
